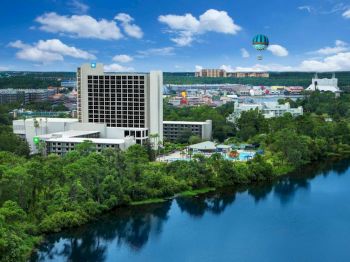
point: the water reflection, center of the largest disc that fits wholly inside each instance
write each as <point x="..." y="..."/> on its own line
<point x="214" y="203"/>
<point x="132" y="227"/>
<point x="128" y="226"/>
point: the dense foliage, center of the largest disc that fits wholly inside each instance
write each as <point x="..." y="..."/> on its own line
<point x="32" y="80"/>
<point x="39" y="195"/>
<point x="221" y="128"/>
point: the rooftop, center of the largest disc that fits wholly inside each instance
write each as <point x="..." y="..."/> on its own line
<point x="68" y="134"/>
<point x="207" y="145"/>
<point x="184" y="123"/>
<point x="82" y="139"/>
<point x="48" y="119"/>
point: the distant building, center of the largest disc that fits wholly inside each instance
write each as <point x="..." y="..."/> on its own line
<point x="69" y="83"/>
<point x="211" y="73"/>
<point x="268" y="109"/>
<point x="8" y="96"/>
<point x="293" y="90"/>
<point x="324" y="84"/>
<point x="223" y="73"/>
<point x="172" y="129"/>
<point x="249" y="74"/>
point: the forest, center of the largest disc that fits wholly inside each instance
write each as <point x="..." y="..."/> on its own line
<point x="44" y="194"/>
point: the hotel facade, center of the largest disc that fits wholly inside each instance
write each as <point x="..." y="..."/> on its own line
<point x="120" y="109"/>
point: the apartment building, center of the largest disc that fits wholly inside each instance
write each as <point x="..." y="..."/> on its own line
<point x="211" y="73"/>
<point x="174" y="129"/>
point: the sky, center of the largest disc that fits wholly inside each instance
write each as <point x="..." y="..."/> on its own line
<point x="174" y="36"/>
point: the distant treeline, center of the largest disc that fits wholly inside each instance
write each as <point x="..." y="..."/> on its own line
<point x="33" y="80"/>
<point x="45" y="79"/>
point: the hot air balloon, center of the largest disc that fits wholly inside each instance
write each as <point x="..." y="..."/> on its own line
<point x="260" y="43"/>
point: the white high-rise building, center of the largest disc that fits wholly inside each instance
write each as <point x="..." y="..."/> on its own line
<point x="130" y="101"/>
<point x="115" y="110"/>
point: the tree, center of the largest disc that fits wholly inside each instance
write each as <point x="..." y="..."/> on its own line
<point x="194" y="140"/>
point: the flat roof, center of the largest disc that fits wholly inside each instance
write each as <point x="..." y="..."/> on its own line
<point x="82" y="139"/>
<point x="68" y="134"/>
<point x="48" y="119"/>
<point x="207" y="145"/>
<point x="184" y="123"/>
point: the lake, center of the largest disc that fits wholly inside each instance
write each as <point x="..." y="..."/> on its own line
<point x="302" y="217"/>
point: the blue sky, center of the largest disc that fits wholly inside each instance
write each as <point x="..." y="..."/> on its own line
<point x="177" y="35"/>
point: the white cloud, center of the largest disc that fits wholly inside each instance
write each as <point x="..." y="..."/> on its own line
<point x="337" y="62"/>
<point x="78" y="7"/>
<point x="186" y="27"/>
<point x="117" y="68"/>
<point x="122" y="58"/>
<point x="278" y="50"/>
<point x="48" y="51"/>
<point x="81" y="26"/>
<point x="4" y="68"/>
<point x="346" y="14"/>
<point x="245" y="53"/>
<point x="130" y="29"/>
<point x="165" y="51"/>
<point x="307" y="8"/>
<point x="198" y="68"/>
<point x="339" y="47"/>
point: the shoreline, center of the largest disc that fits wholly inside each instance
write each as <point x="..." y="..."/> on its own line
<point x="189" y="194"/>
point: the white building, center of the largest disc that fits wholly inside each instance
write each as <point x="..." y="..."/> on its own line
<point x="173" y="129"/>
<point x="268" y="109"/>
<point x="129" y="101"/>
<point x="324" y="84"/>
<point x="68" y="130"/>
<point x="123" y="108"/>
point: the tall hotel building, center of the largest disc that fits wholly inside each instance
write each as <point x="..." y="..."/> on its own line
<point x="115" y="110"/>
<point x="131" y="102"/>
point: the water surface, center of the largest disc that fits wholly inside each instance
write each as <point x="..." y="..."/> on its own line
<point x="304" y="217"/>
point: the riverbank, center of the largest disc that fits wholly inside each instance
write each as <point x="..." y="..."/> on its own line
<point x="285" y="214"/>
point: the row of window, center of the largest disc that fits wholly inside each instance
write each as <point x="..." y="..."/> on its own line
<point x="129" y="77"/>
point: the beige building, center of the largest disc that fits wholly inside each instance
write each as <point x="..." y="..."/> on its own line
<point x="211" y="73"/>
<point x="223" y="73"/>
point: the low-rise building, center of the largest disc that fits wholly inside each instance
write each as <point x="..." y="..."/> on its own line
<point x="67" y="130"/>
<point x="268" y="109"/>
<point x="172" y="130"/>
<point x="8" y="96"/>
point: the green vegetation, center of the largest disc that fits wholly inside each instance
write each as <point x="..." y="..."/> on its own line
<point x="45" y="106"/>
<point x="221" y="129"/>
<point x="33" y="80"/>
<point x="191" y="193"/>
<point x="39" y="195"/>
